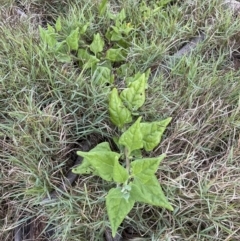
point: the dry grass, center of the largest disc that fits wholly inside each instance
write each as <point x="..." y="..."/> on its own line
<point x="46" y="110"/>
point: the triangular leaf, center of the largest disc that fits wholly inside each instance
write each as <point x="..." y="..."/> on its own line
<point x="97" y="44"/>
<point x="115" y="34"/>
<point x="124" y="70"/>
<point x="117" y="208"/>
<point x="134" y="96"/>
<point x="132" y="137"/>
<point x="126" y="28"/>
<point x="145" y="186"/>
<point x="102" y="161"/>
<point x="120" y="174"/>
<point x="58" y="25"/>
<point x="149" y="192"/>
<point x="86" y="167"/>
<point x="63" y="58"/>
<point x="87" y="59"/>
<point x="121" y="16"/>
<point x="83" y="29"/>
<point x="43" y="34"/>
<point x="102" y="75"/>
<point x="131" y="79"/>
<point x="72" y="39"/>
<point x="119" y="114"/>
<point x="152" y="133"/>
<point x="103" y="146"/>
<point x="61" y="47"/>
<point x="115" y="55"/>
<point x="145" y="168"/>
<point x="102" y="7"/>
<point x="50" y="29"/>
<point x="48" y="36"/>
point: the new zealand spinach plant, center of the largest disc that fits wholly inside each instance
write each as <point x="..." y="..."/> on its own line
<point x="98" y="55"/>
<point x="132" y="173"/>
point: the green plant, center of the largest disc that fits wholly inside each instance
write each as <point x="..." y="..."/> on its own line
<point x="151" y="8"/>
<point x="133" y="174"/>
<point x="100" y="53"/>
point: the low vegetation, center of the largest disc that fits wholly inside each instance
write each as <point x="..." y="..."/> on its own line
<point x="58" y="65"/>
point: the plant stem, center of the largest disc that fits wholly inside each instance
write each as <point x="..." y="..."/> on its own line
<point x="127" y="160"/>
